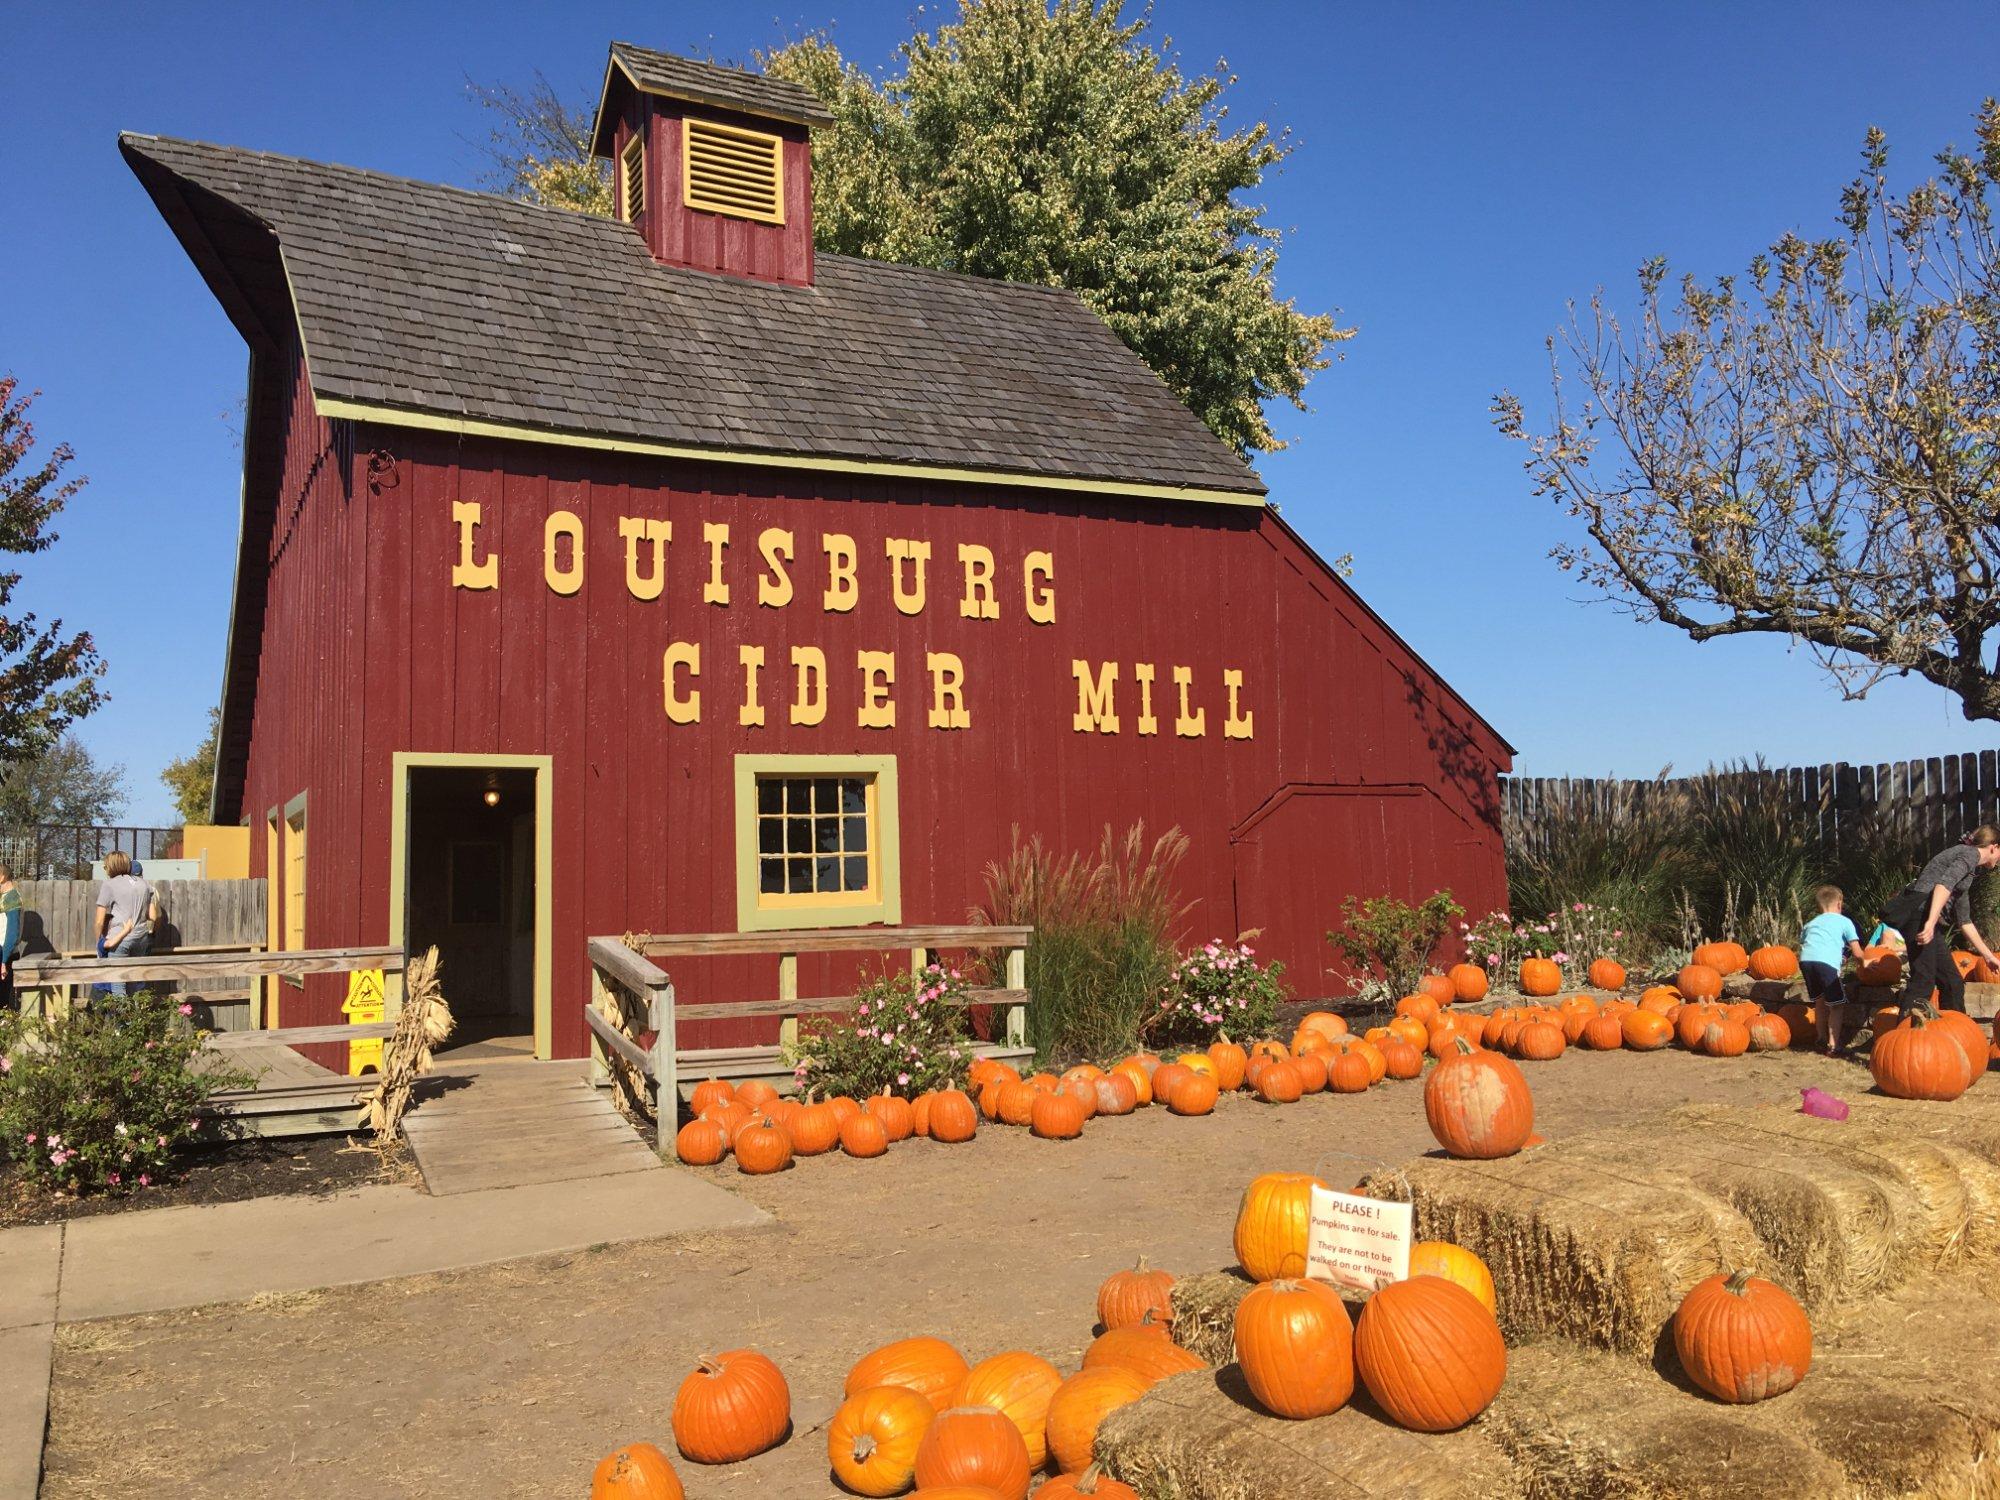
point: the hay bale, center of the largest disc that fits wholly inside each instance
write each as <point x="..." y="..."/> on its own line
<point x="1205" y="1313"/>
<point x="1939" y="1171"/>
<point x="1597" y="1254"/>
<point x="1200" y="1436"/>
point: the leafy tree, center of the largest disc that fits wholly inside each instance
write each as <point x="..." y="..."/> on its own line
<point x="1054" y="145"/>
<point x="540" y="147"/>
<point x="63" y="784"/>
<point x="47" y="680"/>
<point x="1812" y="451"/>
<point x="191" y="778"/>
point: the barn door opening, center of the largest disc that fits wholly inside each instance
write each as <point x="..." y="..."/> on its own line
<point x="471" y="849"/>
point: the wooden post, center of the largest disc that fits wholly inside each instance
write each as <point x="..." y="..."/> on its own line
<point x="1017" y="979"/>
<point x="788" y="990"/>
<point x="666" y="1073"/>
<point x="600" y="1073"/>
<point x="918" y="958"/>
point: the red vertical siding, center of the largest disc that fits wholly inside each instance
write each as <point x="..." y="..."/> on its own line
<point x="1364" y="774"/>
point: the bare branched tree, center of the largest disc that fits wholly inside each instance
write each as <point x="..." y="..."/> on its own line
<point x="1813" y="451"/>
<point x="539" y="146"/>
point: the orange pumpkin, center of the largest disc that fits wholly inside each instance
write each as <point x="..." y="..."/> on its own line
<point x="1140" y="1079"/>
<point x="1056" y="1117"/>
<point x="1429" y="1353"/>
<point x="1016" y="1103"/>
<point x="638" y="1471"/>
<point x="1418" y="1007"/>
<point x="1881" y="965"/>
<point x="1660" y="999"/>
<point x="1607" y="974"/>
<point x="1742" y="1338"/>
<point x="1079" y="1407"/>
<point x="1439" y="988"/>
<point x="701" y="1143"/>
<point x="1140" y="1295"/>
<point x="710" y="1092"/>
<point x="1348" y="1073"/>
<point x="1272" y="1223"/>
<point x="1478" y="1104"/>
<point x="974" y="1445"/>
<point x="1145" y="1349"/>
<point x="1401" y="1060"/>
<point x="732" y="1406"/>
<point x="1166" y="1078"/>
<point x="1773" y="962"/>
<point x="952" y="1117"/>
<point x="1769" y="1032"/>
<point x="1092" y="1484"/>
<point x="1699" y="982"/>
<point x="1324" y="1020"/>
<point x="929" y="1366"/>
<point x="1645" y="1030"/>
<point x="1295" y="1346"/>
<point x="763" y="1146"/>
<point x="1918" y="1059"/>
<point x="1538" y="1041"/>
<point x="1279" y="1083"/>
<point x="873" y="1438"/>
<point x="815" y="1129"/>
<point x="1540" y="976"/>
<point x="1311" y="1069"/>
<point x="898" y="1120"/>
<point x="1194" y="1095"/>
<point x="1723" y="1037"/>
<point x="1724" y="958"/>
<point x="861" y="1134"/>
<point x="1468" y="982"/>
<point x="1603" y="1033"/>
<point x="1229" y="1060"/>
<point x="1018" y="1385"/>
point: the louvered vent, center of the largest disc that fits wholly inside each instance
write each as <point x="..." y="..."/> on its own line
<point x="633" y="167"/>
<point x="725" y="170"/>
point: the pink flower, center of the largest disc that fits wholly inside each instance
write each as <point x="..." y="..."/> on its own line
<point x="144" y="1180"/>
<point x="114" y="1179"/>
<point x="163" y="1142"/>
<point x="186" y="1009"/>
<point x="31" y="1138"/>
<point x="902" y="1078"/>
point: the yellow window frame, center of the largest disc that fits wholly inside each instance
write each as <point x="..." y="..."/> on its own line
<point x="631" y="171"/>
<point x="294" y="874"/>
<point x="758" y="911"/>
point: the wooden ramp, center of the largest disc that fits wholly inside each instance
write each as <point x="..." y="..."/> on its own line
<point x="497" y="1124"/>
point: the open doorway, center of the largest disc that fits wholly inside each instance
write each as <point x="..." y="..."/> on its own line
<point x="472" y="844"/>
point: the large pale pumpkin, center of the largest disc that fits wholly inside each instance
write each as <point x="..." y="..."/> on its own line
<point x="1454" y="1263"/>
<point x="1272" y="1223"/>
<point x="1971" y="1040"/>
<point x="1080" y="1406"/>
<point x="872" y="1440"/>
<point x="1140" y="1295"/>
<point x="638" y="1471"/>
<point x="1742" y="1338"/>
<point x="974" y="1445"/>
<point x="1429" y="1353"/>
<point x="1018" y="1385"/>
<point x="732" y="1406"/>
<point x="1478" y="1104"/>
<point x="930" y="1367"/>
<point x="1295" y="1346"/>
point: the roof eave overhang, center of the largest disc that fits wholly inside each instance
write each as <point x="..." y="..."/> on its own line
<point x="470" y="426"/>
<point x="604" y="125"/>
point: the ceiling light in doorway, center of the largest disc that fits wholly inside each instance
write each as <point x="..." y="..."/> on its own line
<point x="491" y="796"/>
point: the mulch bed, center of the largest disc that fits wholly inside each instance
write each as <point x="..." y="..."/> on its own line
<point x="226" y="1173"/>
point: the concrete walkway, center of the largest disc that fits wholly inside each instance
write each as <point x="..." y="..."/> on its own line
<point x="151" y="1260"/>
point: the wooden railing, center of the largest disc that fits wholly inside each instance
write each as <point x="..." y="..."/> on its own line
<point x="626" y="983"/>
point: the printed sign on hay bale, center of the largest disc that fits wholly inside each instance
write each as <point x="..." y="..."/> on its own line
<point x="1356" y="1242"/>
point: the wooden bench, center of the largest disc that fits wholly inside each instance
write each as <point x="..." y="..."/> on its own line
<point x="623" y="979"/>
<point x="291" y="1096"/>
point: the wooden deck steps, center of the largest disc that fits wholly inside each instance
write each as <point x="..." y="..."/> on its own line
<point x="506" y="1123"/>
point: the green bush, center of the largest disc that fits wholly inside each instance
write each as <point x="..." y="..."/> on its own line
<point x="101" y="1097"/>
<point x="1103" y="946"/>
<point x="1218" y="989"/>
<point x="905" y="1034"/>
<point x="1393" y="938"/>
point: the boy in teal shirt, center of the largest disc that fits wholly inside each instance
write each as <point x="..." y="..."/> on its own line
<point x="1825" y="940"/>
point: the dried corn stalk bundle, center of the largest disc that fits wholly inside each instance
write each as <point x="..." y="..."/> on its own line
<point x="421" y="1026"/>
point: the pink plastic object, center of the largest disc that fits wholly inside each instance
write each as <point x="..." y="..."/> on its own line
<point x="1824" y="1106"/>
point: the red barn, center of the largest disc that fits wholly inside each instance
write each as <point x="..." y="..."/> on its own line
<point x="653" y="573"/>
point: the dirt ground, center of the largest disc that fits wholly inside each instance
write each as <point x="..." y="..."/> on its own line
<point x="513" y="1380"/>
<point x="227" y="1173"/>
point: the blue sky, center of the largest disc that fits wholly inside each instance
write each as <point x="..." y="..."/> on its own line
<point x="1461" y="170"/>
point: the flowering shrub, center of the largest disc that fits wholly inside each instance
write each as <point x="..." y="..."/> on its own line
<point x="1393" y="938"/>
<point x="101" y="1098"/>
<point x="1219" y="987"/>
<point x="905" y="1034"/>
<point x="1573" y="938"/>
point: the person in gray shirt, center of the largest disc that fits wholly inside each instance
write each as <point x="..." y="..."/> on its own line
<point x="1918" y="910"/>
<point x="127" y="908"/>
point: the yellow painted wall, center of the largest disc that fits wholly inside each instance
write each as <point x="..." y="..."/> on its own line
<point x="226" y="850"/>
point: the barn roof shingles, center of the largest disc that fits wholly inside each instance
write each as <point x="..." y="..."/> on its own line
<point x="731" y="88"/>
<point x="449" y="302"/>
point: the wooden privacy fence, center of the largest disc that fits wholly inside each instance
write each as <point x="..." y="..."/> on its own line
<point x="1935" y="800"/>
<point x="59" y="918"/>
<point x="634" y="1014"/>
